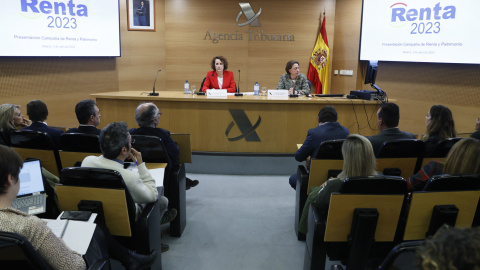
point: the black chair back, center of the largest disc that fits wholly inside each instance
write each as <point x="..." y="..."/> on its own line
<point x="401" y="257"/>
<point x="330" y="150"/>
<point x="373" y="185"/>
<point x="16" y="252"/>
<point x="443" y="147"/>
<point x="152" y="149"/>
<point x="404" y="148"/>
<point x="31" y="139"/>
<point x="98" y="178"/>
<point x="201" y="86"/>
<point x="4" y="139"/>
<point x="79" y="142"/>
<point x="453" y="182"/>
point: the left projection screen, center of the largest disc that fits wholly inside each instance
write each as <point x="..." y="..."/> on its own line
<point x="60" y="28"/>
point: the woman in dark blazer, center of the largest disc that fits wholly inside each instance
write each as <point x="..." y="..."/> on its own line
<point x="219" y="78"/>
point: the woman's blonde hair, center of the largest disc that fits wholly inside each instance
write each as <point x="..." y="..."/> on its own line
<point x="7" y="111"/>
<point x="441" y="123"/>
<point x="463" y="157"/>
<point x="358" y="157"/>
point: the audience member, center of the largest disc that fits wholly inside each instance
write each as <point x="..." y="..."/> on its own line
<point x="440" y="126"/>
<point x="328" y="129"/>
<point x="11" y="117"/>
<point x="88" y="116"/>
<point x="358" y="160"/>
<point x="450" y="249"/>
<point x="116" y="145"/>
<point x="462" y="159"/>
<point x="37" y="111"/>
<point x="388" y="117"/>
<point x="51" y="248"/>
<point x="147" y="116"/>
<point x="476" y="134"/>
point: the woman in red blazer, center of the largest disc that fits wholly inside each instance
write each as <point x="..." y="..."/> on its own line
<point x="219" y="78"/>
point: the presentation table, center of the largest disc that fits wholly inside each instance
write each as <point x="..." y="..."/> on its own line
<point x="244" y="124"/>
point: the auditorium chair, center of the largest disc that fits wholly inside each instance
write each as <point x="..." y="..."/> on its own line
<point x="361" y="224"/>
<point x="440" y="151"/>
<point x="445" y="199"/>
<point x="327" y="162"/>
<point x="74" y="147"/>
<point x="16" y="252"/>
<point x="401" y="257"/>
<point x="107" y="186"/>
<point x="153" y="151"/>
<point x="400" y="157"/>
<point x="4" y="139"/>
<point x="36" y="144"/>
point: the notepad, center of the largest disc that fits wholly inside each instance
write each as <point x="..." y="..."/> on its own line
<point x="76" y="234"/>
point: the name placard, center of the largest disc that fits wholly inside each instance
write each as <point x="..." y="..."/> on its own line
<point x="277" y="93"/>
<point x="217" y="93"/>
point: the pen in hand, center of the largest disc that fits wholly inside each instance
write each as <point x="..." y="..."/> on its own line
<point x="136" y="162"/>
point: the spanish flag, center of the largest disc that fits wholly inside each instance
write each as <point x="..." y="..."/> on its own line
<point x="318" y="70"/>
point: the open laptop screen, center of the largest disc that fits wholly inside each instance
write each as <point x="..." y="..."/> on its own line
<point x="31" y="180"/>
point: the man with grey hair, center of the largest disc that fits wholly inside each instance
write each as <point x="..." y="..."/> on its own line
<point x="88" y="116"/>
<point x="116" y="145"/>
<point x="147" y="116"/>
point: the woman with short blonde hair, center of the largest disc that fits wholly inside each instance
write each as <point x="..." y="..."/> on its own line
<point x="358" y="160"/>
<point x="461" y="159"/>
<point x="11" y="117"/>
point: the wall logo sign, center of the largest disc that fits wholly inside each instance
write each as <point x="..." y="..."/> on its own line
<point x="248" y="130"/>
<point x="257" y="35"/>
<point x="252" y="18"/>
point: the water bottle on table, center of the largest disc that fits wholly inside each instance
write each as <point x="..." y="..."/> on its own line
<point x="256" y="89"/>
<point x="187" y="87"/>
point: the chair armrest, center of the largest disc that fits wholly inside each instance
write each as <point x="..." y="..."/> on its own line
<point x="176" y="195"/>
<point x="99" y="265"/>
<point x="147" y="229"/>
<point x="315" y="248"/>
<point x="301" y="197"/>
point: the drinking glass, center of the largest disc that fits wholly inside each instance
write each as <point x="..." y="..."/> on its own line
<point x="264" y="90"/>
<point x="193" y="89"/>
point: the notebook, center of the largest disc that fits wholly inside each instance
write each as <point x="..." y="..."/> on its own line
<point x="31" y="197"/>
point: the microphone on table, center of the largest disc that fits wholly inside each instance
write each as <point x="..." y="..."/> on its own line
<point x="153" y="93"/>
<point x="238" y="94"/>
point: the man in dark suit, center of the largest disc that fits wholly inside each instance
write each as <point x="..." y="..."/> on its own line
<point x="37" y="111"/>
<point x="147" y="116"/>
<point x="328" y="129"/>
<point x="88" y="116"/>
<point x="388" y="116"/>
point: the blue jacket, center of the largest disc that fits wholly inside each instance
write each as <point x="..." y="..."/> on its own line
<point x="315" y="136"/>
<point x="52" y="132"/>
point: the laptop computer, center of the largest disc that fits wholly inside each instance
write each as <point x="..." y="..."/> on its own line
<point x="31" y="197"/>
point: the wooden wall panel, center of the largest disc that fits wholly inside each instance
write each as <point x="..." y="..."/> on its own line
<point x="189" y="53"/>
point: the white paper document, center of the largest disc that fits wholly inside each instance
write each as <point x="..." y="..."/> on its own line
<point x="158" y="175"/>
<point x="76" y="234"/>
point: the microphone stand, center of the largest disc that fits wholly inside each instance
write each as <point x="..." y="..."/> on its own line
<point x="153" y="93"/>
<point x="238" y="94"/>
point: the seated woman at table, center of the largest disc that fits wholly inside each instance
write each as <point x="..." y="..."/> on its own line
<point x="440" y="126"/>
<point x="358" y="160"/>
<point x="294" y="81"/>
<point x="51" y="248"/>
<point x="462" y="159"/>
<point x="219" y="78"/>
